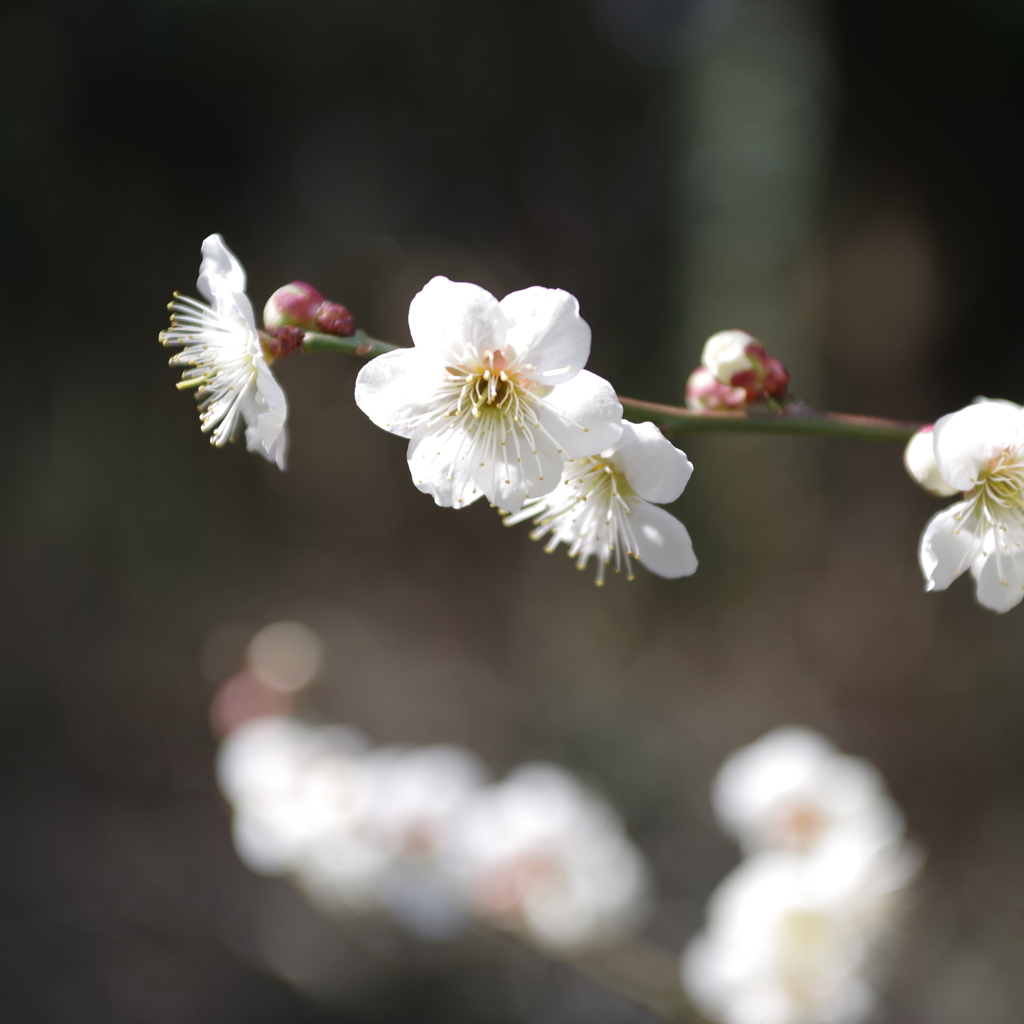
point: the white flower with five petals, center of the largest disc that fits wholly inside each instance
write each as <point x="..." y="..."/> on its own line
<point x="603" y="507"/>
<point x="493" y="395"/>
<point x="225" y="360"/>
<point x="980" y="452"/>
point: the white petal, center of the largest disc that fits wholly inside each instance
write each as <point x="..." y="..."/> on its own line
<point x="967" y="441"/>
<point x="1000" y="579"/>
<point x="664" y="545"/>
<point x="448" y="467"/>
<point x="583" y="415"/>
<point x="455" y="320"/>
<point x="222" y="280"/>
<point x="654" y="467"/>
<point x="265" y="431"/>
<point x="546" y="331"/>
<point x="394" y="389"/>
<point x="919" y="460"/>
<point x="948" y="546"/>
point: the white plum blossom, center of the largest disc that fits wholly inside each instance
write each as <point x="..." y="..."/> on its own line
<point x="492" y="396"/>
<point x="602" y="507"/>
<point x="292" y="786"/>
<point x="543" y="855"/>
<point x="225" y="359"/>
<point x="421" y="835"/>
<point x="402" y="842"/>
<point x="793" y="790"/>
<point x="980" y="452"/>
<point x="793" y="934"/>
<point x="792" y="938"/>
<point x="919" y="460"/>
<point x="356" y="829"/>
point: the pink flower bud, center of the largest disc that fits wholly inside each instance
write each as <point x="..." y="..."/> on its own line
<point x="334" y="319"/>
<point x="282" y="341"/>
<point x="293" y="305"/>
<point x="776" y="382"/>
<point x="706" y="394"/>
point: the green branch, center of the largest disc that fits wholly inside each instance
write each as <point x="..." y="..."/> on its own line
<point x="360" y="344"/>
<point x="792" y="419"/>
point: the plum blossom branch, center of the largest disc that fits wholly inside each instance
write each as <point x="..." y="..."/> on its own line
<point x="643" y="974"/>
<point x="359" y="344"/>
<point x="795" y="418"/>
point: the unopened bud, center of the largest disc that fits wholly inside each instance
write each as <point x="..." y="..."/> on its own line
<point x="776" y="381"/>
<point x="334" y="319"/>
<point x="738" y="360"/>
<point x="919" y="458"/>
<point x="293" y="305"/>
<point x="706" y="394"/>
<point x="725" y="355"/>
<point x="281" y="342"/>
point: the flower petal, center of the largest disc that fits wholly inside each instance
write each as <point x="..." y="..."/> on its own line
<point x="457" y="469"/>
<point x="546" y="330"/>
<point x="664" y="544"/>
<point x="265" y="432"/>
<point x="967" y="441"/>
<point x="391" y="389"/>
<point x="654" y="467"/>
<point x="919" y="460"/>
<point x="1000" y="575"/>
<point x="948" y="546"/>
<point x="583" y="415"/>
<point x="222" y="280"/>
<point x="456" y="321"/>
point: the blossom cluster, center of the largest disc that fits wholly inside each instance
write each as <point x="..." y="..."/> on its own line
<point x="495" y="402"/>
<point x="420" y="834"/>
<point x="493" y="398"/>
<point x="793" y="933"/>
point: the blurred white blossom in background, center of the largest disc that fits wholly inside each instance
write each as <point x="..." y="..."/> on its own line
<point x="793" y="933"/>
<point x="493" y="395"/>
<point x="980" y="452"/>
<point x="602" y="507"/>
<point x="792" y="790"/>
<point x="225" y="359"/>
<point x="541" y="853"/>
<point x="419" y="833"/>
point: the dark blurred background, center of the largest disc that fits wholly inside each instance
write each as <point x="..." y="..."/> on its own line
<point x="840" y="178"/>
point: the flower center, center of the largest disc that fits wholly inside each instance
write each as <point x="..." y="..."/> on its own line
<point x="491" y="385"/>
<point x="999" y="492"/>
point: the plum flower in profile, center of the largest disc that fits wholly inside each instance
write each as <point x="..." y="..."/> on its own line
<point x="602" y="507"/>
<point x="980" y="452"/>
<point x="493" y="396"/>
<point x="224" y="357"/>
